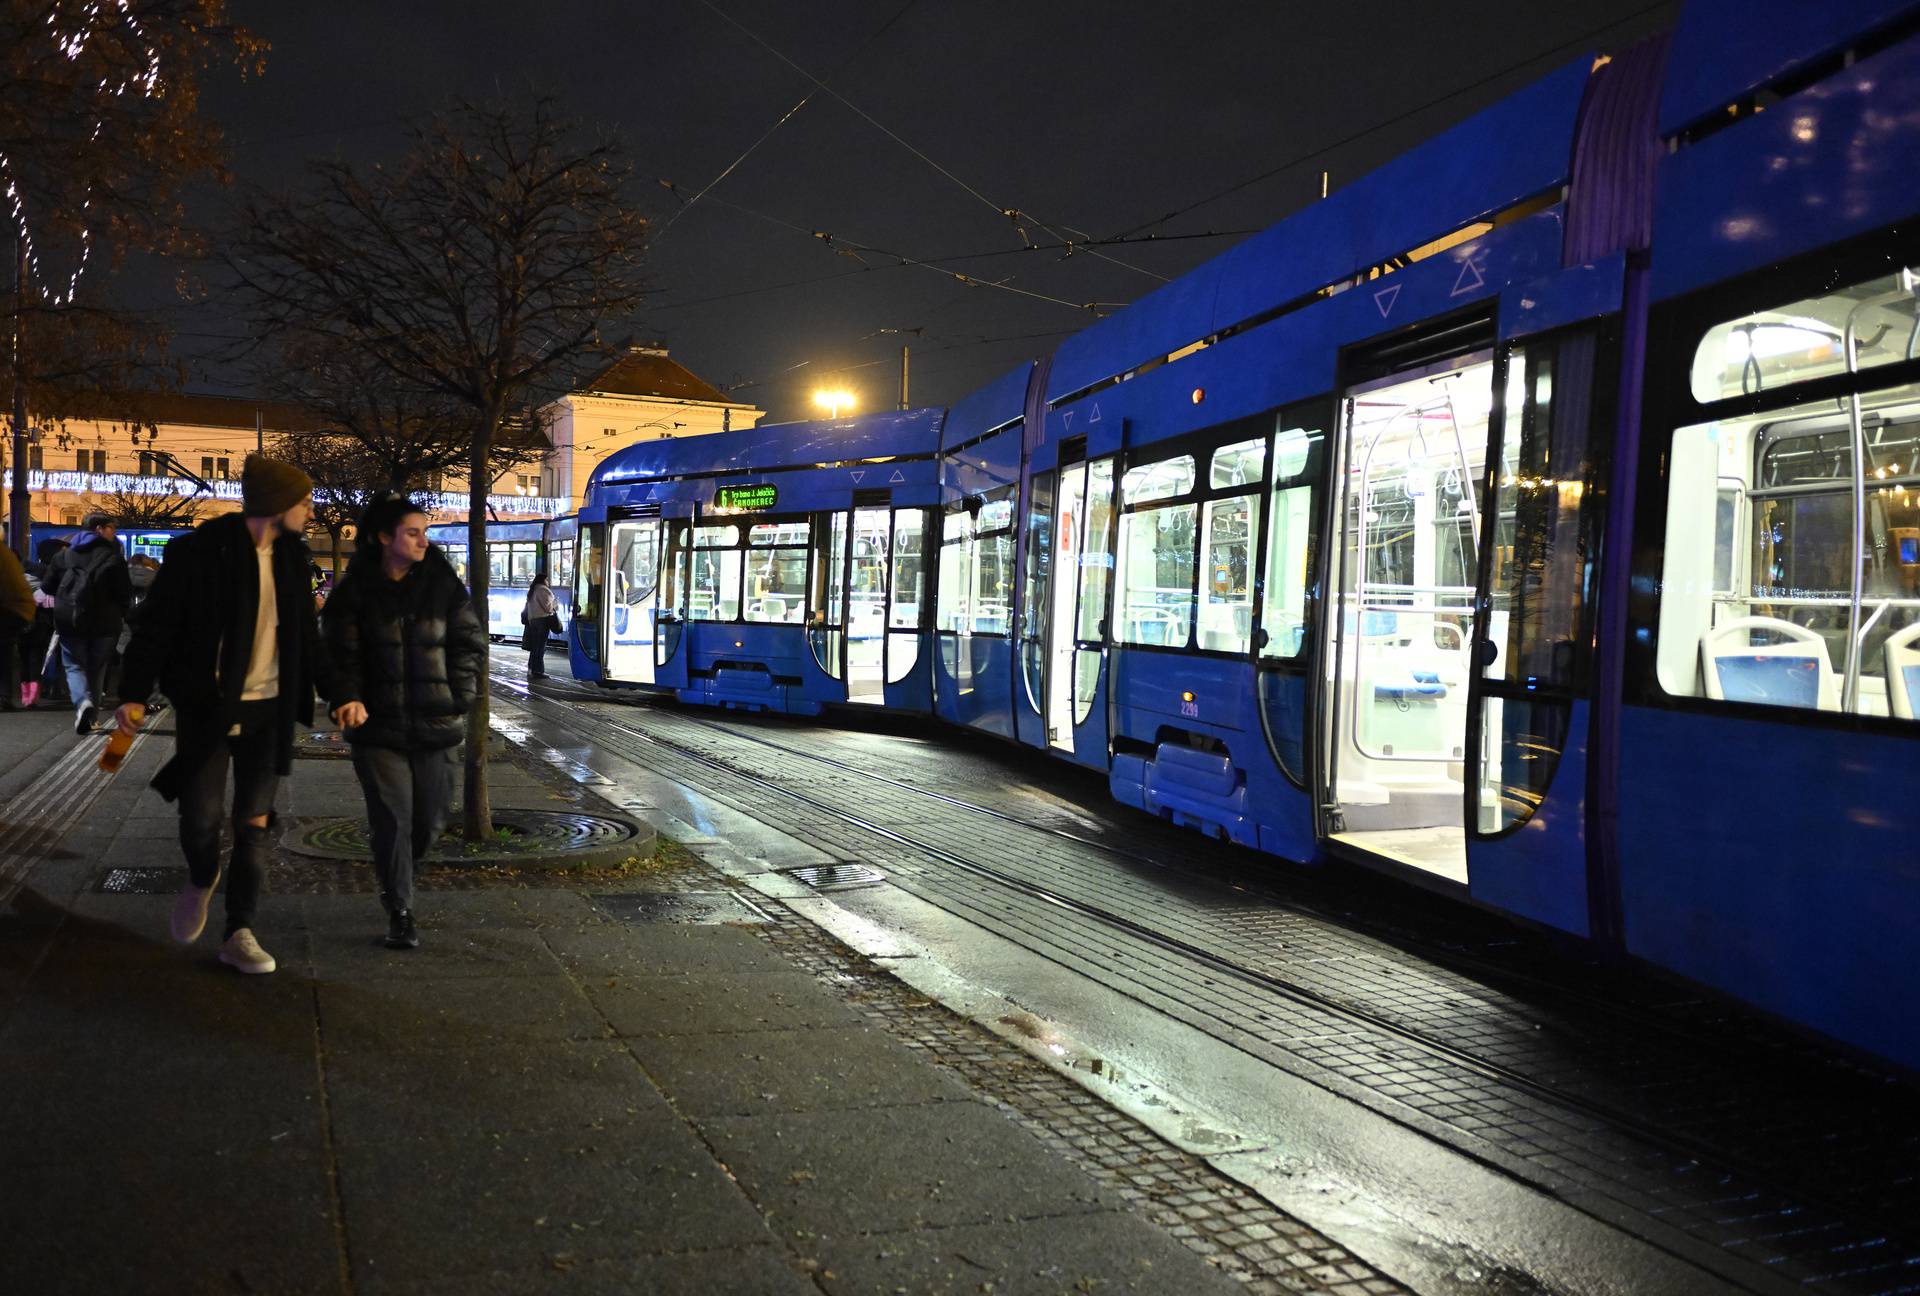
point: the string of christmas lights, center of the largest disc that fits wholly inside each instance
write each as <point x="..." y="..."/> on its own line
<point x="72" y="43"/>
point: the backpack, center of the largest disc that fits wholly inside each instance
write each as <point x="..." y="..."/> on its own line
<point x="78" y="583"/>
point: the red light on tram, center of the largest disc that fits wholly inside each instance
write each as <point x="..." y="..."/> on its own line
<point x="1199" y="394"/>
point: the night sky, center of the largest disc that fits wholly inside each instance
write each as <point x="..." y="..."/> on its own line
<point x="1091" y="118"/>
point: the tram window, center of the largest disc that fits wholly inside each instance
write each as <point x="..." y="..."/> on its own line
<point x="1242" y="464"/>
<point x="586" y="573"/>
<point x="1034" y="598"/>
<point x="909" y="569"/>
<point x="524" y="561"/>
<point x="1803" y="340"/>
<point x="956" y="572"/>
<point x="1226" y="573"/>
<point x="990" y="603"/>
<point x="1156" y="554"/>
<point x="457" y="555"/>
<point x="1290" y="543"/>
<point x="1096" y="559"/>
<point x="1163" y="480"/>
<point x="1773" y="622"/>
<point x="868" y="592"/>
<point x="715" y="582"/>
<point x="776" y="575"/>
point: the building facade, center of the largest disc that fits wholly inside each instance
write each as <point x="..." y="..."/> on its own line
<point x="179" y="456"/>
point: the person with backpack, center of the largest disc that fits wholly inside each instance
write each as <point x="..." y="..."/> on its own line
<point x="228" y="631"/>
<point x="91" y="595"/>
<point x="406" y="645"/>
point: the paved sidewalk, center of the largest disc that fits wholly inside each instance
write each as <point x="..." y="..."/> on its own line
<point x="542" y="1097"/>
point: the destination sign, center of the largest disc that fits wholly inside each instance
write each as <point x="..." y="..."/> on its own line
<point x="757" y="498"/>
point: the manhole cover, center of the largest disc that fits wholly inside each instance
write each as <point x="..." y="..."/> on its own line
<point x="837" y="877"/>
<point x="142" y="881"/>
<point x="706" y="907"/>
<point x="530" y="837"/>
<point x="324" y="744"/>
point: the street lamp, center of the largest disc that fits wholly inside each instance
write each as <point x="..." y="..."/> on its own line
<point x="833" y="400"/>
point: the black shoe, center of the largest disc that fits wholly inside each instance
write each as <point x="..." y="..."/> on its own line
<point x="400" y="930"/>
<point x="83" y="718"/>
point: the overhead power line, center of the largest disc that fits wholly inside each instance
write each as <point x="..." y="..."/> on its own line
<point x="1394" y="120"/>
<point x="1012" y="214"/>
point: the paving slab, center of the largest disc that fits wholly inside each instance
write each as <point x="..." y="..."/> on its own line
<point x="175" y="1223"/>
<point x="1101" y="1252"/>
<point x="746" y="1271"/>
<point x="569" y="1085"/>
<point x="623" y="950"/>
<point x="422" y="1208"/>
<point x="829" y="1069"/>
<point x="891" y="1168"/>
<point x="358" y="953"/>
<point x="717" y="1002"/>
<point x="403" y="1013"/>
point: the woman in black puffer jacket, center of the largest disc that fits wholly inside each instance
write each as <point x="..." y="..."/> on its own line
<point x="406" y="645"/>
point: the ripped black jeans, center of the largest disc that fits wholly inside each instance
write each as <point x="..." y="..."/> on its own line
<point x="249" y="747"/>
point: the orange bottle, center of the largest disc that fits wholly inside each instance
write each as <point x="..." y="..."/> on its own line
<point x="118" y="745"/>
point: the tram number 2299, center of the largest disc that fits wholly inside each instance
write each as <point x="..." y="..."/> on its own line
<point x="1189" y="709"/>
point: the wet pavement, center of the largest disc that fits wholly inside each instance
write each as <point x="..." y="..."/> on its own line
<point x="1656" y="1113"/>
<point x="582" y="1081"/>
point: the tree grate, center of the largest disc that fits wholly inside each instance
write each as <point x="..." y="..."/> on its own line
<point x="141" y="881"/>
<point x="705" y="908"/>
<point x="837" y="877"/>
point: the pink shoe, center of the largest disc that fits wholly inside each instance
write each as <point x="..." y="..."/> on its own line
<point x="29" y="693"/>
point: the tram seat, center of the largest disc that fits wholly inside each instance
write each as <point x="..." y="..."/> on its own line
<point x="1903" y="671"/>
<point x="1794" y="672"/>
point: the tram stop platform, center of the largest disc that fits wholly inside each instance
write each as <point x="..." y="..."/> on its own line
<point x="628" y="1076"/>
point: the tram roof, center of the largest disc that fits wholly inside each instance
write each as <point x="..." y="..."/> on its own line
<point x="1724" y="50"/>
<point x="889" y="435"/>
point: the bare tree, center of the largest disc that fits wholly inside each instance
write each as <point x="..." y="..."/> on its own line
<point x="347" y="477"/>
<point x="486" y="268"/>
<point x="100" y="135"/>
<point x="132" y="510"/>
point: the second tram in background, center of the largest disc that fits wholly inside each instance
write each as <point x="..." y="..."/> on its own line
<point x="1537" y="518"/>
<point x="516" y="552"/>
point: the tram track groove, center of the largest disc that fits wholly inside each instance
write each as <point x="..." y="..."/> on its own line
<point x="1675" y="1144"/>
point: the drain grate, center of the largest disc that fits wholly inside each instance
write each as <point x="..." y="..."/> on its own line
<point x="142" y="881"/>
<point x="699" y="907"/>
<point x="837" y="877"/>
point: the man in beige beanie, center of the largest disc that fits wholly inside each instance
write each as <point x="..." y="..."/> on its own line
<point x="228" y="633"/>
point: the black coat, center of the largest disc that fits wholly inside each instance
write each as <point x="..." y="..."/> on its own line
<point x="410" y="651"/>
<point x="193" y="638"/>
<point x="111" y="593"/>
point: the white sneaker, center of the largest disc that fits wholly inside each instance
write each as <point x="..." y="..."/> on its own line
<point x="242" y="953"/>
<point x="190" y="911"/>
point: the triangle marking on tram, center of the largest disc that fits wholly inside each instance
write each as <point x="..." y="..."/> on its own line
<point x="897" y="478"/>
<point x="1385" y="298"/>
<point x="858" y="473"/>
<point x="1470" y="278"/>
<point x="1095" y="416"/>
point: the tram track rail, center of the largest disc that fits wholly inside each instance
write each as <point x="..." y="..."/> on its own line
<point x="1670" y="1142"/>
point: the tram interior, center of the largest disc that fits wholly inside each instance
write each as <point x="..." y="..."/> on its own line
<point x="1413" y="459"/>
<point x="1762" y="598"/>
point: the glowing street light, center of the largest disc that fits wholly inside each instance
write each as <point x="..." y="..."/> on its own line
<point x="833" y="400"/>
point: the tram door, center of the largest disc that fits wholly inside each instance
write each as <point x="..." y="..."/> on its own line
<point x="1407" y="532"/>
<point x="866" y="609"/>
<point x="633" y="585"/>
<point x="1069" y="526"/>
<point x="670" y="620"/>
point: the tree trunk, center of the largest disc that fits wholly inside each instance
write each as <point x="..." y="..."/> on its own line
<point x="479" y="806"/>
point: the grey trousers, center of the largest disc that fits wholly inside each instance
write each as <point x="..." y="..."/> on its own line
<point x="407" y="795"/>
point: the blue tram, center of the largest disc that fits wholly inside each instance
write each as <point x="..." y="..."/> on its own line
<point x="801" y="583"/>
<point x="1537" y="518"/>
<point x="516" y="552"/>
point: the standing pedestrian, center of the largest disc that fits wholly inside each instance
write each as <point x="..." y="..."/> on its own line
<point x="16" y="617"/>
<point x="408" y="648"/>
<point x="91" y="595"/>
<point x="541" y="616"/>
<point x="228" y="631"/>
